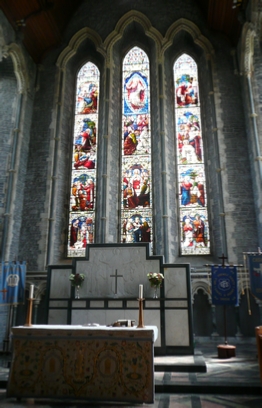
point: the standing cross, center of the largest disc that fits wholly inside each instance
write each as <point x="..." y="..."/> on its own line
<point x="223" y="260"/>
<point x="116" y="276"/>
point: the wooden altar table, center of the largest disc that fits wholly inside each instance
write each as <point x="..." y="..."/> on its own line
<point x="82" y="362"/>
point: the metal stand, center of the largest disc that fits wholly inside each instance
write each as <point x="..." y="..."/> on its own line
<point x="225" y="350"/>
<point x="6" y="343"/>
<point x="29" y="313"/>
<point x="141" y="314"/>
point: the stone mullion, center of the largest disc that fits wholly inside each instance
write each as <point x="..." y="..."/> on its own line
<point x="163" y="163"/>
<point x="217" y="164"/>
<point x="104" y="147"/>
<point x="54" y="171"/>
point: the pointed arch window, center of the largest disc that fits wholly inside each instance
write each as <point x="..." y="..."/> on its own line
<point x="136" y="204"/>
<point x="84" y="158"/>
<point x="193" y="213"/>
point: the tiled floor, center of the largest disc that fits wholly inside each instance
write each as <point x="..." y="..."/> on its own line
<point x="227" y="383"/>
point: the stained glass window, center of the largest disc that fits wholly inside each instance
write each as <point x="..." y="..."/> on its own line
<point x="194" y="225"/>
<point x="83" y="175"/>
<point x="136" y="205"/>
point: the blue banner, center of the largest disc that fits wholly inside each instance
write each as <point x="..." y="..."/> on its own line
<point x="12" y="282"/>
<point x="255" y="274"/>
<point x="224" y="285"/>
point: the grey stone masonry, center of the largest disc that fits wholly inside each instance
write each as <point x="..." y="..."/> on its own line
<point x="38" y="230"/>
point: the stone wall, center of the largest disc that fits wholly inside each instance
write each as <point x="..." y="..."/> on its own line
<point x="8" y="86"/>
<point x="17" y="93"/>
<point x="44" y="200"/>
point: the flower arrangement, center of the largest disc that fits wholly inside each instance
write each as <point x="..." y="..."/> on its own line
<point x="77" y="279"/>
<point x="155" y="279"/>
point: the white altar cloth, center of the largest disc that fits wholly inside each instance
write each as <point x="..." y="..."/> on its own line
<point x="90" y="327"/>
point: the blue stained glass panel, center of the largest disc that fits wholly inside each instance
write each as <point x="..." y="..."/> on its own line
<point x="192" y="186"/>
<point x="136" y="94"/>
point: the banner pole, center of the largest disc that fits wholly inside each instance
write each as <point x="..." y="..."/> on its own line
<point x="224" y="279"/>
<point x="246" y="276"/>
<point x="225" y="324"/>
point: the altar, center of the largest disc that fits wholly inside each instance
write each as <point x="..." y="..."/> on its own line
<point x="83" y="362"/>
<point x="113" y="275"/>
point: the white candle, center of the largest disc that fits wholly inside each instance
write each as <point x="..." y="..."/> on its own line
<point x="31" y="292"/>
<point x="140" y="291"/>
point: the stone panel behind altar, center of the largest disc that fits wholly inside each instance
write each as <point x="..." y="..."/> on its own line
<point x="105" y="317"/>
<point x="102" y="302"/>
<point x="177" y="314"/>
<point x="130" y="262"/>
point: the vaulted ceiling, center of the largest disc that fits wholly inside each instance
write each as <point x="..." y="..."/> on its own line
<point x="44" y="21"/>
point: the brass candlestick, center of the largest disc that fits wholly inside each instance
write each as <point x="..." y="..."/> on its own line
<point x="29" y="312"/>
<point x="141" y="314"/>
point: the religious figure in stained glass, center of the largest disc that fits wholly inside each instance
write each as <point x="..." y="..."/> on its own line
<point x="82" y="191"/>
<point x="136" y="204"/>
<point x="136" y="90"/>
<point x="192" y="186"/>
<point x="186" y="187"/>
<point x="87" y="98"/>
<point x="189" y="136"/>
<point x="190" y="160"/>
<point x="83" y="173"/>
<point x="186" y="91"/>
<point x="194" y="232"/>
<point x="136" y="137"/>
<point x="136" y="229"/>
<point x="136" y="185"/>
<point x="80" y="232"/>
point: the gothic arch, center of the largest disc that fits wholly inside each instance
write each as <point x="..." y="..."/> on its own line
<point x="20" y="68"/>
<point x="76" y="41"/>
<point x="205" y="286"/>
<point x="247" y="48"/>
<point x="193" y="30"/>
<point x="41" y="290"/>
<point x="3" y="47"/>
<point x="124" y="21"/>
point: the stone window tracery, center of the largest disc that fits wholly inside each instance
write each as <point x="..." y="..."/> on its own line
<point x="136" y="198"/>
<point x="84" y="158"/>
<point x="193" y="214"/>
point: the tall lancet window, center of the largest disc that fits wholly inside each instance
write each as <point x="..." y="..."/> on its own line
<point x="194" y="226"/>
<point x="83" y="176"/>
<point x="136" y="206"/>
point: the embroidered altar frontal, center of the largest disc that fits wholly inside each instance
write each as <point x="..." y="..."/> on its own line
<point x="75" y="362"/>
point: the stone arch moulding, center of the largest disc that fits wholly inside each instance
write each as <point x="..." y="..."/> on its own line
<point x="247" y="49"/>
<point x="124" y="21"/>
<point x="205" y="286"/>
<point x="20" y="69"/>
<point x="41" y="290"/>
<point x="76" y="41"/>
<point x="193" y="30"/>
<point x="3" y="46"/>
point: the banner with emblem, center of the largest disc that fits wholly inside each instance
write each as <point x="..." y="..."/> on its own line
<point x="255" y="274"/>
<point x="12" y="282"/>
<point x="224" y="285"/>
